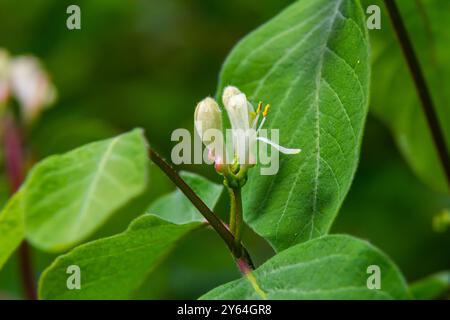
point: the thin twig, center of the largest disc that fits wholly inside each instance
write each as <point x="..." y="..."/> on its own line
<point x="15" y="170"/>
<point x="237" y="249"/>
<point x="421" y="86"/>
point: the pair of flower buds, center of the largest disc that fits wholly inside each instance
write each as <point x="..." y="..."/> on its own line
<point x="246" y="125"/>
<point x="24" y="79"/>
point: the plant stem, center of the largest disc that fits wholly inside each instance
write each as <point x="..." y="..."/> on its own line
<point x="252" y="279"/>
<point x="232" y="224"/>
<point x="236" y="216"/>
<point x="14" y="158"/>
<point x="236" y="248"/>
<point x="15" y="169"/>
<point x="239" y="215"/>
<point x="26" y="270"/>
<point x="421" y="86"/>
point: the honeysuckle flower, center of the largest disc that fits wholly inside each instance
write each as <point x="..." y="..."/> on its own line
<point x="4" y="76"/>
<point x="31" y="86"/>
<point x="246" y="125"/>
<point x="244" y="118"/>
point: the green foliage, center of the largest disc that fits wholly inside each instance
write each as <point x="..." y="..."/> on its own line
<point x="11" y="228"/>
<point x="176" y="208"/>
<point x="67" y="197"/>
<point x="112" y="268"/>
<point x="394" y="98"/>
<point x="432" y="287"/>
<point x="330" y="267"/>
<point x="311" y="64"/>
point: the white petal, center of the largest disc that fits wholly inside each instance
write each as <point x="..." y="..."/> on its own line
<point x="229" y="92"/>
<point x="31" y="85"/>
<point x="250" y="107"/>
<point x="238" y="112"/>
<point x="255" y="122"/>
<point x="278" y="147"/>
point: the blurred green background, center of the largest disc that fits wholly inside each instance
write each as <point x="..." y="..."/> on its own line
<point x="146" y="63"/>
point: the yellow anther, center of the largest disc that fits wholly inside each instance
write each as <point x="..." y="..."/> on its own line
<point x="259" y="107"/>
<point x="266" y="110"/>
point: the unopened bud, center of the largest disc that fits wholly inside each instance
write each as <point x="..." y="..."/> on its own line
<point x="207" y="116"/>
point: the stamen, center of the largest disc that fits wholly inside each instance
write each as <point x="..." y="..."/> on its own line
<point x="266" y="110"/>
<point x="259" y="107"/>
<point x="261" y="124"/>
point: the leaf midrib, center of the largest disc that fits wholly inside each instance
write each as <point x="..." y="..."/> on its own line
<point x="317" y="109"/>
<point x="317" y="103"/>
<point x="91" y="189"/>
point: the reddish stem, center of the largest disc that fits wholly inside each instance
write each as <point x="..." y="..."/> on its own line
<point x="14" y="154"/>
<point x="15" y="169"/>
<point x="236" y="248"/>
<point x="26" y="270"/>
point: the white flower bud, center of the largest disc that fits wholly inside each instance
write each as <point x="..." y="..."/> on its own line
<point x="207" y="116"/>
<point x="31" y="86"/>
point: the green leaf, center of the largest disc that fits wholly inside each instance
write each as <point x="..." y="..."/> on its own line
<point x="112" y="268"/>
<point x="330" y="267"/>
<point x="176" y="208"/>
<point x="432" y="287"/>
<point x="311" y="64"/>
<point x="11" y="228"/>
<point x="394" y="98"/>
<point x="67" y="197"/>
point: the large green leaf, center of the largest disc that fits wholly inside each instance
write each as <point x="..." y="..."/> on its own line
<point x="432" y="287"/>
<point x="67" y="197"/>
<point x="394" y="97"/>
<point x="330" y="267"/>
<point x="11" y="228"/>
<point x="311" y="64"/>
<point x="176" y="208"/>
<point x="111" y="268"/>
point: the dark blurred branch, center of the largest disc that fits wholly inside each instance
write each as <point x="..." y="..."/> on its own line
<point x="236" y="248"/>
<point x="15" y="169"/>
<point x="421" y="86"/>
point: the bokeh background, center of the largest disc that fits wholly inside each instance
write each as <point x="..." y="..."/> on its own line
<point x="146" y="63"/>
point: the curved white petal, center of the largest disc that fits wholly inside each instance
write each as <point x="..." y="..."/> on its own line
<point x="229" y="92"/>
<point x="278" y="147"/>
<point x="238" y="112"/>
